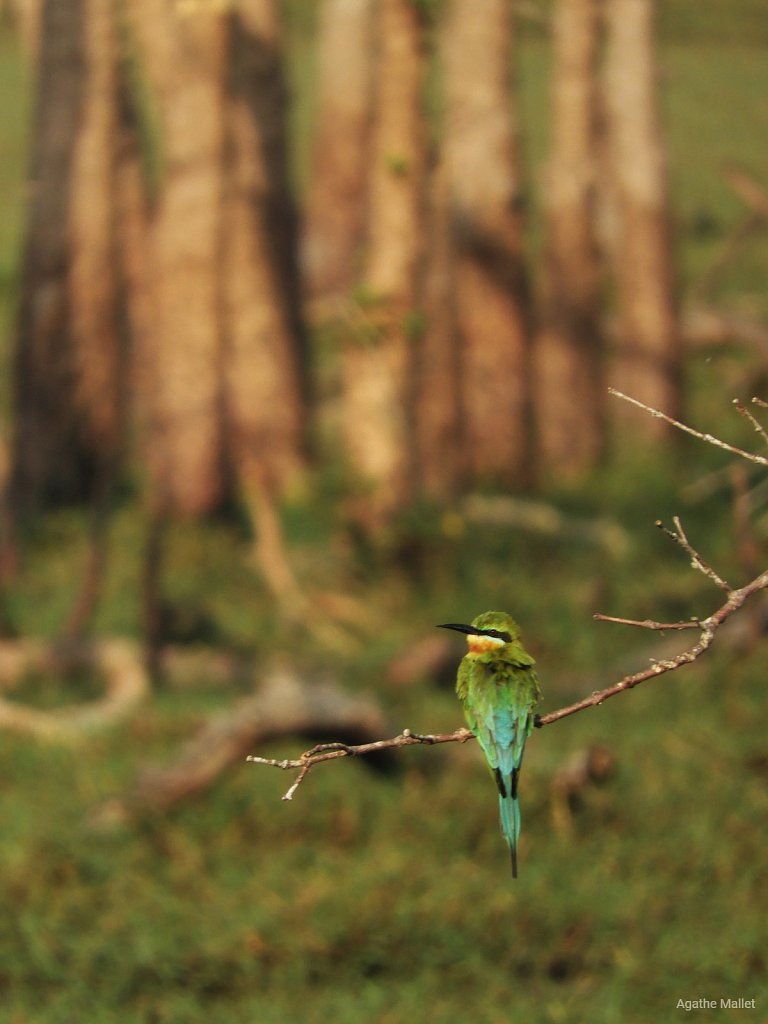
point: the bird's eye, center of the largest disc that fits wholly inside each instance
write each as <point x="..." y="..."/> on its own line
<point x="498" y="634"/>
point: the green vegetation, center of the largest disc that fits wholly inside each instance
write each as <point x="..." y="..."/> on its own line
<point x="386" y="897"/>
<point x="376" y="896"/>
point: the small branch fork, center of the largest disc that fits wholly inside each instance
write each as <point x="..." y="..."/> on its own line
<point x="761" y="460"/>
<point x="332" y="751"/>
<point x="707" y="628"/>
<point x="697" y="562"/>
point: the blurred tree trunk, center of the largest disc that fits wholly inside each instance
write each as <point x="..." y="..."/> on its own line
<point x="224" y="356"/>
<point x="132" y="211"/>
<point x="376" y="395"/>
<point x="492" y="296"/>
<point x="648" y="363"/>
<point x="27" y="16"/>
<point x="335" y="207"/>
<point x="437" y="370"/>
<point x="183" y="49"/>
<point x="67" y="340"/>
<point x="264" y="397"/>
<point x="99" y="357"/>
<point x="114" y="235"/>
<point x="264" y="394"/>
<point x="570" y="387"/>
<point x="228" y="402"/>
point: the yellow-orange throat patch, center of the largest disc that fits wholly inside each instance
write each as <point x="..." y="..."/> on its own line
<point x="483" y="644"/>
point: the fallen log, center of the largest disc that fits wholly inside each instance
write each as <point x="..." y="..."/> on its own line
<point x="284" y="705"/>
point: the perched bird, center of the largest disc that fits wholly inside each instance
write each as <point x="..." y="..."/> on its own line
<point x="498" y="687"/>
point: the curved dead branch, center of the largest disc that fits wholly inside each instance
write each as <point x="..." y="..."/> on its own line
<point x="117" y="661"/>
<point x="283" y="705"/>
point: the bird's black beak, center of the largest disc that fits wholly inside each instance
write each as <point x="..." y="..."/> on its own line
<point x="459" y="627"/>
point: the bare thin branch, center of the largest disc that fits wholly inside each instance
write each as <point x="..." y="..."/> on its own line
<point x="332" y="751"/>
<point x="648" y="623"/>
<point x="709" y="626"/>
<point x="761" y="460"/>
<point x="742" y="410"/>
<point x="678" y="535"/>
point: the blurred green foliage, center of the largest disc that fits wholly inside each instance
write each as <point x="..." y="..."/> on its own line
<point x="379" y="896"/>
<point x="384" y="897"/>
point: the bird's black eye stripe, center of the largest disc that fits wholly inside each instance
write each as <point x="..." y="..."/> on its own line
<point x="498" y="634"/>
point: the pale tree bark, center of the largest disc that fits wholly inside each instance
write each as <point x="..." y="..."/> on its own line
<point x="376" y="398"/>
<point x="264" y="400"/>
<point x="262" y="353"/>
<point x="492" y="298"/>
<point x="241" y="421"/>
<point x="132" y="212"/>
<point x="648" y="361"/>
<point x="67" y="342"/>
<point x="335" y="206"/>
<point x="570" y="387"/>
<point x="93" y="284"/>
<point x="43" y="345"/>
<point x="436" y="363"/>
<point x="183" y="50"/>
<point x="27" y="16"/>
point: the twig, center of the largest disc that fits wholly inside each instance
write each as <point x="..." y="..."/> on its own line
<point x="742" y="410"/>
<point x="697" y="562"/>
<point x="761" y="460"/>
<point x="709" y="626"/>
<point x="285" y="704"/>
<point x="332" y="751"/>
<point x="649" y="623"/>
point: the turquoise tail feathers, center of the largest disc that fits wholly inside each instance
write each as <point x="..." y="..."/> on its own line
<point x="509" y="812"/>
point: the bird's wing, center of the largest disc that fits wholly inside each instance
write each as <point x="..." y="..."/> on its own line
<point x="502" y="723"/>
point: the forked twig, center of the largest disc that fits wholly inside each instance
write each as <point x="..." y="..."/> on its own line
<point x="756" y="425"/>
<point x="662" y="627"/>
<point x="697" y="562"/>
<point x="332" y="751"/>
<point x="761" y="460"/>
<point x="709" y="627"/>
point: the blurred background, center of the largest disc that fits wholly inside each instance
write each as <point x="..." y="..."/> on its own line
<point x="308" y="314"/>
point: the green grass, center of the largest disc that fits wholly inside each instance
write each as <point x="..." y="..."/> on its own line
<point x="380" y="897"/>
<point x="714" y="120"/>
